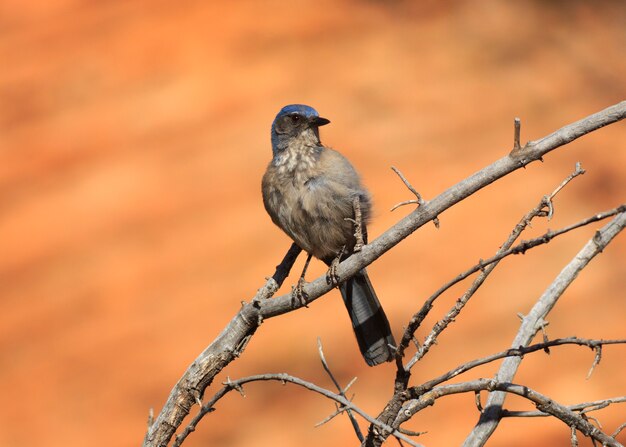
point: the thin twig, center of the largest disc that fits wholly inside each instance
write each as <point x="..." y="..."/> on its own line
<point x="585" y="407"/>
<point x="411" y="432"/>
<point x="596" y="360"/>
<point x="618" y="430"/>
<point x="342" y="391"/>
<point x="573" y="437"/>
<point x="577" y="171"/>
<point x="419" y="200"/>
<point x="330" y="417"/>
<point x="515" y="352"/>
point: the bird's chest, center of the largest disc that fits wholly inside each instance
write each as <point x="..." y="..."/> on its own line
<point x="296" y="189"/>
<point x="294" y="174"/>
<point x="295" y="168"/>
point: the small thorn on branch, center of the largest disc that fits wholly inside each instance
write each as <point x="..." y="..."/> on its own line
<point x="150" y="417"/>
<point x="596" y="360"/>
<point x="477" y="401"/>
<point x="517" y="124"/>
<point x="198" y="399"/>
<point x="235" y="386"/>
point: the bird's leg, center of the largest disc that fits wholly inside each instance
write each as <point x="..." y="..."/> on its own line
<point x="297" y="292"/>
<point x="331" y="276"/>
<point x="283" y="269"/>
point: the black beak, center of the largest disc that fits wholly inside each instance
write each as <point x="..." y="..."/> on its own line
<point x="319" y="121"/>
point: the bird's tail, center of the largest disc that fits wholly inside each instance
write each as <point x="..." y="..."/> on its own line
<point x="369" y="321"/>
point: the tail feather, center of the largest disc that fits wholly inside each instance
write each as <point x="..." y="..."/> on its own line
<point x="369" y="321"/>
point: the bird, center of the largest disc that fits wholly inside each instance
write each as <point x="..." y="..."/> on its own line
<point x="315" y="196"/>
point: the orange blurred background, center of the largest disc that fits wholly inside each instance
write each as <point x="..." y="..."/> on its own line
<point x="133" y="137"/>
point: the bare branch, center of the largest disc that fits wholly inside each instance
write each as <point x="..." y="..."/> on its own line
<point x="490" y="417"/>
<point x="286" y="378"/>
<point x="542" y="402"/>
<point x="584" y="407"/>
<point x="514" y="352"/>
<point x="535" y="319"/>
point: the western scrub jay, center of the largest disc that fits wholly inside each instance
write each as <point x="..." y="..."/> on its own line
<point x="315" y="196"/>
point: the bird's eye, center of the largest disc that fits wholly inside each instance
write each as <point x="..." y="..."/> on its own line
<point x="295" y="119"/>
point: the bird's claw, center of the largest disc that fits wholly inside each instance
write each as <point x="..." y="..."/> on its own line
<point x="332" y="277"/>
<point x="298" y="295"/>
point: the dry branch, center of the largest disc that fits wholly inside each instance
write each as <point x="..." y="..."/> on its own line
<point x="583" y="407"/>
<point x="542" y="402"/>
<point x="513" y="352"/>
<point x="532" y="323"/>
<point x="237" y="385"/>
<point x="234" y="338"/>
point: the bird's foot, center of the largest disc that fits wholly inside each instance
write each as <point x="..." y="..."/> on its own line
<point x="298" y="295"/>
<point x="332" y="277"/>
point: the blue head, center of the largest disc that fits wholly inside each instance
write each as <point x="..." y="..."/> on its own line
<point x="296" y="121"/>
